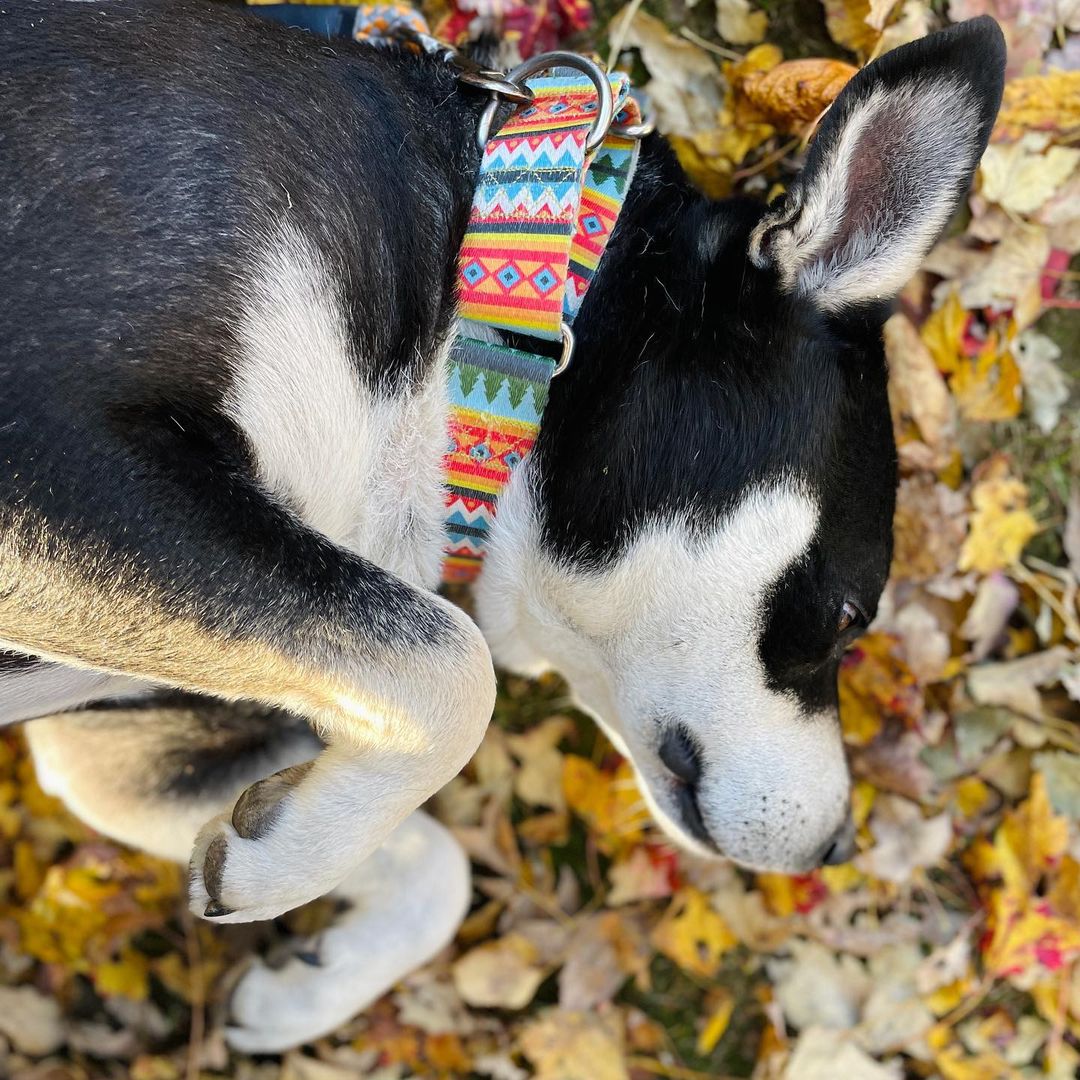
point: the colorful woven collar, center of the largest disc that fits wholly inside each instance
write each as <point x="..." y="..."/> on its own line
<point x="541" y="219"/>
<point x="542" y="215"/>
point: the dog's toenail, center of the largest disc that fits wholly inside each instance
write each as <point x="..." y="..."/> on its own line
<point x="309" y="957"/>
<point x="215" y="909"/>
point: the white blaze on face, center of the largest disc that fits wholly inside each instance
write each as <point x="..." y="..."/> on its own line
<point x="669" y="634"/>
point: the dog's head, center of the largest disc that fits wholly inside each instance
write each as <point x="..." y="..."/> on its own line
<point x="706" y="521"/>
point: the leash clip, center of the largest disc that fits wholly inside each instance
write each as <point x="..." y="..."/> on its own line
<point x="498" y="84"/>
<point x="516" y="77"/>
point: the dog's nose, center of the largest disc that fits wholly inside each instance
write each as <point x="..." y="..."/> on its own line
<point x="679" y="753"/>
<point x="842" y="845"/>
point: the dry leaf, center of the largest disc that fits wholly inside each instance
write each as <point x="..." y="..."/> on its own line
<point x="739" y="23"/>
<point x="995" y="601"/>
<point x="1001" y="524"/>
<point x="500" y="974"/>
<point x="1014" y="683"/>
<point x="30" y="1020"/>
<point x="692" y="934"/>
<point x="684" y="83"/>
<point x="796" y="92"/>
<point x="905" y="841"/>
<point x="1045" y="387"/>
<point x="1021" y="176"/>
<point x="819" y="987"/>
<point x="917" y="390"/>
<point x="987" y="387"/>
<point x="824" y="1054"/>
<point x="574" y="1046"/>
<point x="1049" y="102"/>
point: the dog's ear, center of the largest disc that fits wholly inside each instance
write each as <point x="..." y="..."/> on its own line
<point x="891" y="162"/>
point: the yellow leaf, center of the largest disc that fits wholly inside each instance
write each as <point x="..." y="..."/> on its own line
<point x="847" y="25"/>
<point x="1021" y="176"/>
<point x="717" y="1024"/>
<point x="1034" y="835"/>
<point x="738" y="23"/>
<point x="128" y="977"/>
<point x="943" y="331"/>
<point x="1000" y="525"/>
<point x="1049" y="102"/>
<point x="971" y="795"/>
<point x="875" y="684"/>
<point x="987" y="387"/>
<point x="609" y="801"/>
<point x="692" y="934"/>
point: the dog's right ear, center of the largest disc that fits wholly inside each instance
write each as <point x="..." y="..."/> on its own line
<point x="891" y="162"/>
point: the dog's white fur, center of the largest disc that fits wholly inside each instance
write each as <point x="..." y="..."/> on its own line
<point x="669" y="634"/>
<point x="361" y="465"/>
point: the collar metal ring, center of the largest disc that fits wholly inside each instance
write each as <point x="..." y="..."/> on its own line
<point x="567" y="349"/>
<point x="605" y="107"/>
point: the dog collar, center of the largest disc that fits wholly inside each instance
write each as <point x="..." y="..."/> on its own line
<point x="548" y="197"/>
<point x="551" y="185"/>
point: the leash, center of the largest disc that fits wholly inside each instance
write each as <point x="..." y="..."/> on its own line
<point x="551" y="184"/>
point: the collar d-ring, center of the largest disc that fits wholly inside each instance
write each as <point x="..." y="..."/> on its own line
<point x="605" y="103"/>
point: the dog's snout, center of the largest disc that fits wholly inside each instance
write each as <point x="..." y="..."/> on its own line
<point x="841" y="846"/>
<point x="681" y="756"/>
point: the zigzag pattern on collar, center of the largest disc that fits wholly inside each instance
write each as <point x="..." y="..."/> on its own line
<point x="539" y="225"/>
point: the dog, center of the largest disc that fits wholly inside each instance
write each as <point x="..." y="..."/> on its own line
<point x="228" y="293"/>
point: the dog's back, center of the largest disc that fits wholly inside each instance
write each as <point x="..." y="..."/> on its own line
<point x="146" y="162"/>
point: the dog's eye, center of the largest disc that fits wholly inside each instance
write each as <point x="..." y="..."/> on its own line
<point x="850" y="618"/>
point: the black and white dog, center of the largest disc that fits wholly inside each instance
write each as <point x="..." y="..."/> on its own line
<point x="227" y="260"/>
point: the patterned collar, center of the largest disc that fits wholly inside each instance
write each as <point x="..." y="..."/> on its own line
<point x="542" y="215"/>
<point x="547" y="199"/>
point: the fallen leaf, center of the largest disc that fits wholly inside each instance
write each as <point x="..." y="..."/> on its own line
<point x="1015" y="683"/>
<point x="739" y="23"/>
<point x="984" y="625"/>
<point x="796" y="92"/>
<point x="917" y="390"/>
<point x="684" y="82"/>
<point x="499" y="974"/>
<point x="1045" y="387"/>
<point x="987" y="386"/>
<point x="566" y="1045"/>
<point x="1021" y="176"/>
<point x="693" y="934"/>
<point x="30" y="1020"/>
<point x="817" y="987"/>
<point x="1061" y="773"/>
<point x="723" y="1005"/>
<point x="1001" y="524"/>
<point x="647" y="873"/>
<point x="825" y="1054"/>
<point x="1049" y="102"/>
<point x="904" y="841"/>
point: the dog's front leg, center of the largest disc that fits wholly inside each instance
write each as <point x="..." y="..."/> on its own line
<point x="397" y="681"/>
<point x="397" y="730"/>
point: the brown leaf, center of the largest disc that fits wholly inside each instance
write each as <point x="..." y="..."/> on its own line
<point x="796" y="92"/>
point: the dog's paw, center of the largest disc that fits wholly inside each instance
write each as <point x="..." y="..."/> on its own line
<point x="275" y="1008"/>
<point x="255" y="863"/>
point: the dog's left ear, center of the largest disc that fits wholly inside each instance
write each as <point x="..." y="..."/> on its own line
<point x="891" y="162"/>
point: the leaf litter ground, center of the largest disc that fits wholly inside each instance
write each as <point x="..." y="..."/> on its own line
<point x="950" y="947"/>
